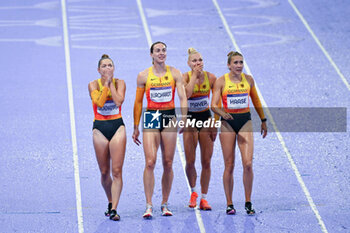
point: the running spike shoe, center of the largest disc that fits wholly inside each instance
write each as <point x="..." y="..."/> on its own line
<point x="249" y="208"/>
<point x="165" y="210"/>
<point x="108" y="211"/>
<point x="114" y="216"/>
<point x="230" y="210"/>
<point x="148" y="213"/>
<point x="204" y="205"/>
<point x="193" y="200"/>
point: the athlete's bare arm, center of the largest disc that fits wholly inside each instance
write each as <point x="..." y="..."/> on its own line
<point x="257" y="104"/>
<point x="218" y="87"/>
<point x="181" y="93"/>
<point x="93" y="85"/>
<point x="118" y="92"/>
<point x="140" y="90"/>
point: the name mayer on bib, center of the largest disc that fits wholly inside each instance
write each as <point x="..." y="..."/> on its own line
<point x="198" y="104"/>
<point x="199" y="100"/>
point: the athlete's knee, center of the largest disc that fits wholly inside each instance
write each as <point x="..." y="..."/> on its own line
<point x="117" y="173"/>
<point x="105" y="173"/>
<point x="150" y="164"/>
<point x="190" y="162"/>
<point x="167" y="164"/>
<point x="229" y="167"/>
<point x="248" y="166"/>
<point x="206" y="164"/>
<point x="190" y="167"/>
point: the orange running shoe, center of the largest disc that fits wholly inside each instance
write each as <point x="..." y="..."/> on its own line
<point x="193" y="200"/>
<point x="203" y="205"/>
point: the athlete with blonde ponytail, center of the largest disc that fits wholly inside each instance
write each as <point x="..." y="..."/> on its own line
<point x="198" y="85"/>
<point x="235" y="88"/>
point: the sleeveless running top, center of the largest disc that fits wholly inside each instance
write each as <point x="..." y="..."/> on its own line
<point x="109" y="111"/>
<point x="199" y="100"/>
<point x="235" y="96"/>
<point x="160" y="91"/>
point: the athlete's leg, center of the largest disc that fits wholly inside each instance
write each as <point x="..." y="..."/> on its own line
<point x="101" y="145"/>
<point x="206" y="145"/>
<point x="190" y="138"/>
<point x="151" y="141"/>
<point x="117" y="152"/>
<point x="168" y="144"/>
<point x="228" y="144"/>
<point x="246" y="146"/>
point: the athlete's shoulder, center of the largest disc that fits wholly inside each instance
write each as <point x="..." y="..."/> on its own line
<point x="93" y="85"/>
<point x="142" y="77"/>
<point x="144" y="73"/>
<point x="220" y="82"/>
<point x="211" y="76"/>
<point x="185" y="77"/>
<point x="221" y="78"/>
<point x="176" y="73"/>
<point x="249" y="79"/>
<point x="173" y="69"/>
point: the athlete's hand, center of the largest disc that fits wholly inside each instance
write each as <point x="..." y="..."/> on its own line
<point x="108" y="74"/>
<point x="197" y="70"/>
<point x="135" y="137"/>
<point x="263" y="129"/>
<point x="227" y="116"/>
<point x="110" y="78"/>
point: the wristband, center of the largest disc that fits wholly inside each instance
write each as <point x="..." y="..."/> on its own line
<point x="263" y="120"/>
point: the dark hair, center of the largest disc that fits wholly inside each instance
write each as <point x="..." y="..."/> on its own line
<point x="232" y="54"/>
<point x="103" y="57"/>
<point x="158" y="42"/>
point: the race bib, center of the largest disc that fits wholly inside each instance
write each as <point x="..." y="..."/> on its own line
<point x="161" y="94"/>
<point x="198" y="104"/>
<point x="108" y="109"/>
<point x="237" y="101"/>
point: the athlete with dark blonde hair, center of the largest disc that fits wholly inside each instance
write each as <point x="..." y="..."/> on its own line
<point x="235" y="88"/>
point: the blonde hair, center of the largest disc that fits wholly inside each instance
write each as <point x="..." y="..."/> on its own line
<point x="232" y="54"/>
<point x="191" y="51"/>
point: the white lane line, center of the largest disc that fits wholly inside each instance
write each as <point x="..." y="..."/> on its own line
<point x="72" y="118"/>
<point x="144" y="23"/>
<point x="183" y="162"/>
<point x="319" y="44"/>
<point x="179" y="148"/>
<point x="280" y="138"/>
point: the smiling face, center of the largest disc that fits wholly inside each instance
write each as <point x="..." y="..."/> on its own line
<point x="195" y="60"/>
<point x="106" y="67"/>
<point x="236" y="65"/>
<point x="159" y="53"/>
